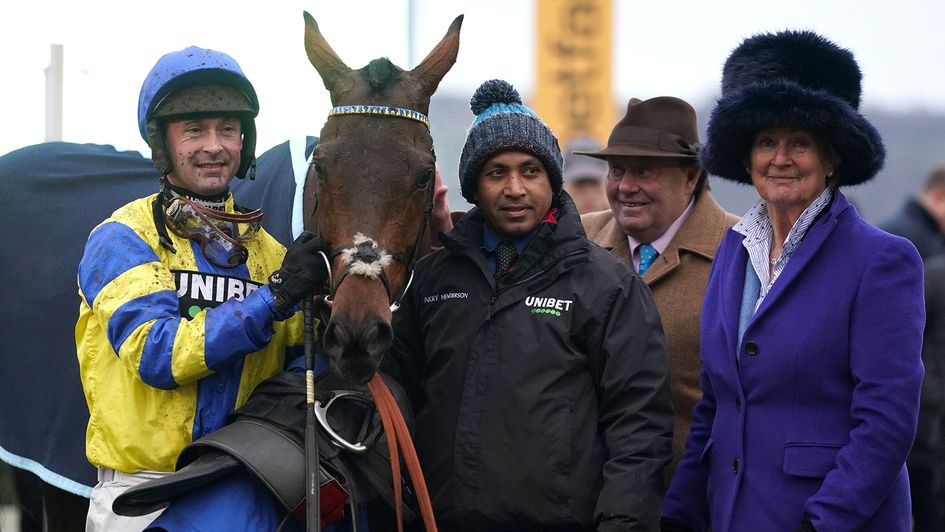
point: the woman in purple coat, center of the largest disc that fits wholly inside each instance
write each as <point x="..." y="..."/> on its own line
<point x="812" y="322"/>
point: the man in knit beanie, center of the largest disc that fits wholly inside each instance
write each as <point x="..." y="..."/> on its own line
<point x="534" y="360"/>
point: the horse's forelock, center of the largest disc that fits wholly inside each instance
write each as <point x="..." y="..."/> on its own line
<point x="380" y="73"/>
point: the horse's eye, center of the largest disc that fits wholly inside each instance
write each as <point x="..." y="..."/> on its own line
<point x="426" y="180"/>
<point x="316" y="167"/>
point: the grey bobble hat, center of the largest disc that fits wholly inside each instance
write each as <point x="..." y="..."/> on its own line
<point x="502" y="124"/>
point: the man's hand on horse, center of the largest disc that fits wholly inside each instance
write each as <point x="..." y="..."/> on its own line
<point x="303" y="272"/>
<point x="442" y="220"/>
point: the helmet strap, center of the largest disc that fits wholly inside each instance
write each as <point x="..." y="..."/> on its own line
<point x="157" y="212"/>
<point x="158" y="145"/>
<point x="248" y="154"/>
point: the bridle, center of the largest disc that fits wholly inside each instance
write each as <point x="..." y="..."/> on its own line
<point x="365" y="256"/>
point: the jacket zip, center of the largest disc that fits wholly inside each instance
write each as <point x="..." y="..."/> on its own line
<point x="529" y="278"/>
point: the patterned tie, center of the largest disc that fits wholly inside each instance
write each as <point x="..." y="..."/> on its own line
<point x="505" y="255"/>
<point x="648" y="254"/>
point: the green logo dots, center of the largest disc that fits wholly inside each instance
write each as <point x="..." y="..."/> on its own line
<point x="194" y="310"/>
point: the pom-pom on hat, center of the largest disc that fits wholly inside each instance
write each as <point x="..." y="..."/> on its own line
<point x="503" y="123"/>
<point x="793" y="79"/>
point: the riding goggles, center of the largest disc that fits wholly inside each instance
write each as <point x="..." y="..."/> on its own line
<point x="220" y="234"/>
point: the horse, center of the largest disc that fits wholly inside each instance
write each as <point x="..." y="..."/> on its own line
<point x="371" y="180"/>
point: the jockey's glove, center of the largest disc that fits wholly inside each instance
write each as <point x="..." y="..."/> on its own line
<point x="303" y="273"/>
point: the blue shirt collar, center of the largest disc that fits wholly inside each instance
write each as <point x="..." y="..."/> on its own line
<point x="490" y="240"/>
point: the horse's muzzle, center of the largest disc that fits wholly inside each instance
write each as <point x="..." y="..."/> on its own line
<point x="355" y="348"/>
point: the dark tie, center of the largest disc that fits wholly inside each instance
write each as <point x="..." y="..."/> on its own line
<point x="505" y="255"/>
<point x="648" y="254"/>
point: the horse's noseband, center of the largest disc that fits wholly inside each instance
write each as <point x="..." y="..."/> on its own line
<point x="367" y="259"/>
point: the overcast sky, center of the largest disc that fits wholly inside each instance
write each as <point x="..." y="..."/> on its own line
<point x="674" y="48"/>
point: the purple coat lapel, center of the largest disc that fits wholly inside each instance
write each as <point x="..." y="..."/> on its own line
<point x="734" y="273"/>
<point x="816" y="236"/>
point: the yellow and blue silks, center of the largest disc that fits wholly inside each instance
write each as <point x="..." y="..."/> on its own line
<point x="168" y="343"/>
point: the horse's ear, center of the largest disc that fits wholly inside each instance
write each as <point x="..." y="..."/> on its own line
<point x="432" y="69"/>
<point x="329" y="66"/>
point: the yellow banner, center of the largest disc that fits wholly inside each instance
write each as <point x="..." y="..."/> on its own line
<point x="573" y="92"/>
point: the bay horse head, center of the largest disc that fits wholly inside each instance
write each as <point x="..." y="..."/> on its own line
<point x="370" y="192"/>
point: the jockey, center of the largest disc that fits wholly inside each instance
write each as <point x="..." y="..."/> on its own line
<point x="186" y="302"/>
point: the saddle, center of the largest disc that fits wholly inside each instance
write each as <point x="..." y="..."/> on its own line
<point x="266" y="437"/>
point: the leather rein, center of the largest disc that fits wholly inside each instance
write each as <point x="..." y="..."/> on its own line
<point x="367" y="258"/>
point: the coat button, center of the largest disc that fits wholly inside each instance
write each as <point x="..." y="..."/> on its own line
<point x="751" y="348"/>
<point x="738" y="404"/>
<point x="735" y="466"/>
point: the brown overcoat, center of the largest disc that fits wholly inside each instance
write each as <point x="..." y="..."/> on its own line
<point x="678" y="279"/>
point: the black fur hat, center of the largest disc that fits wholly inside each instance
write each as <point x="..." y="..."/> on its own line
<point x="794" y="79"/>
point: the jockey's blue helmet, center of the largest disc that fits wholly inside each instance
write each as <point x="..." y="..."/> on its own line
<point x="196" y="81"/>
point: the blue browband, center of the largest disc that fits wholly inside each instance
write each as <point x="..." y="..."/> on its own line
<point x="381" y="110"/>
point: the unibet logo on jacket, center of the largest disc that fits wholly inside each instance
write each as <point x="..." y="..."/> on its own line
<point x="548" y="305"/>
<point x="198" y="290"/>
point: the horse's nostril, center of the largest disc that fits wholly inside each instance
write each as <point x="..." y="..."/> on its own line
<point x="355" y="349"/>
<point x="378" y="337"/>
<point x="336" y="336"/>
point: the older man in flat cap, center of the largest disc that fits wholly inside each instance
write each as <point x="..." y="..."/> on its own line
<point x="664" y="222"/>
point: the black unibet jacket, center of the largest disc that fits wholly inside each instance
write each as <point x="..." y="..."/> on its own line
<point x="541" y="398"/>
